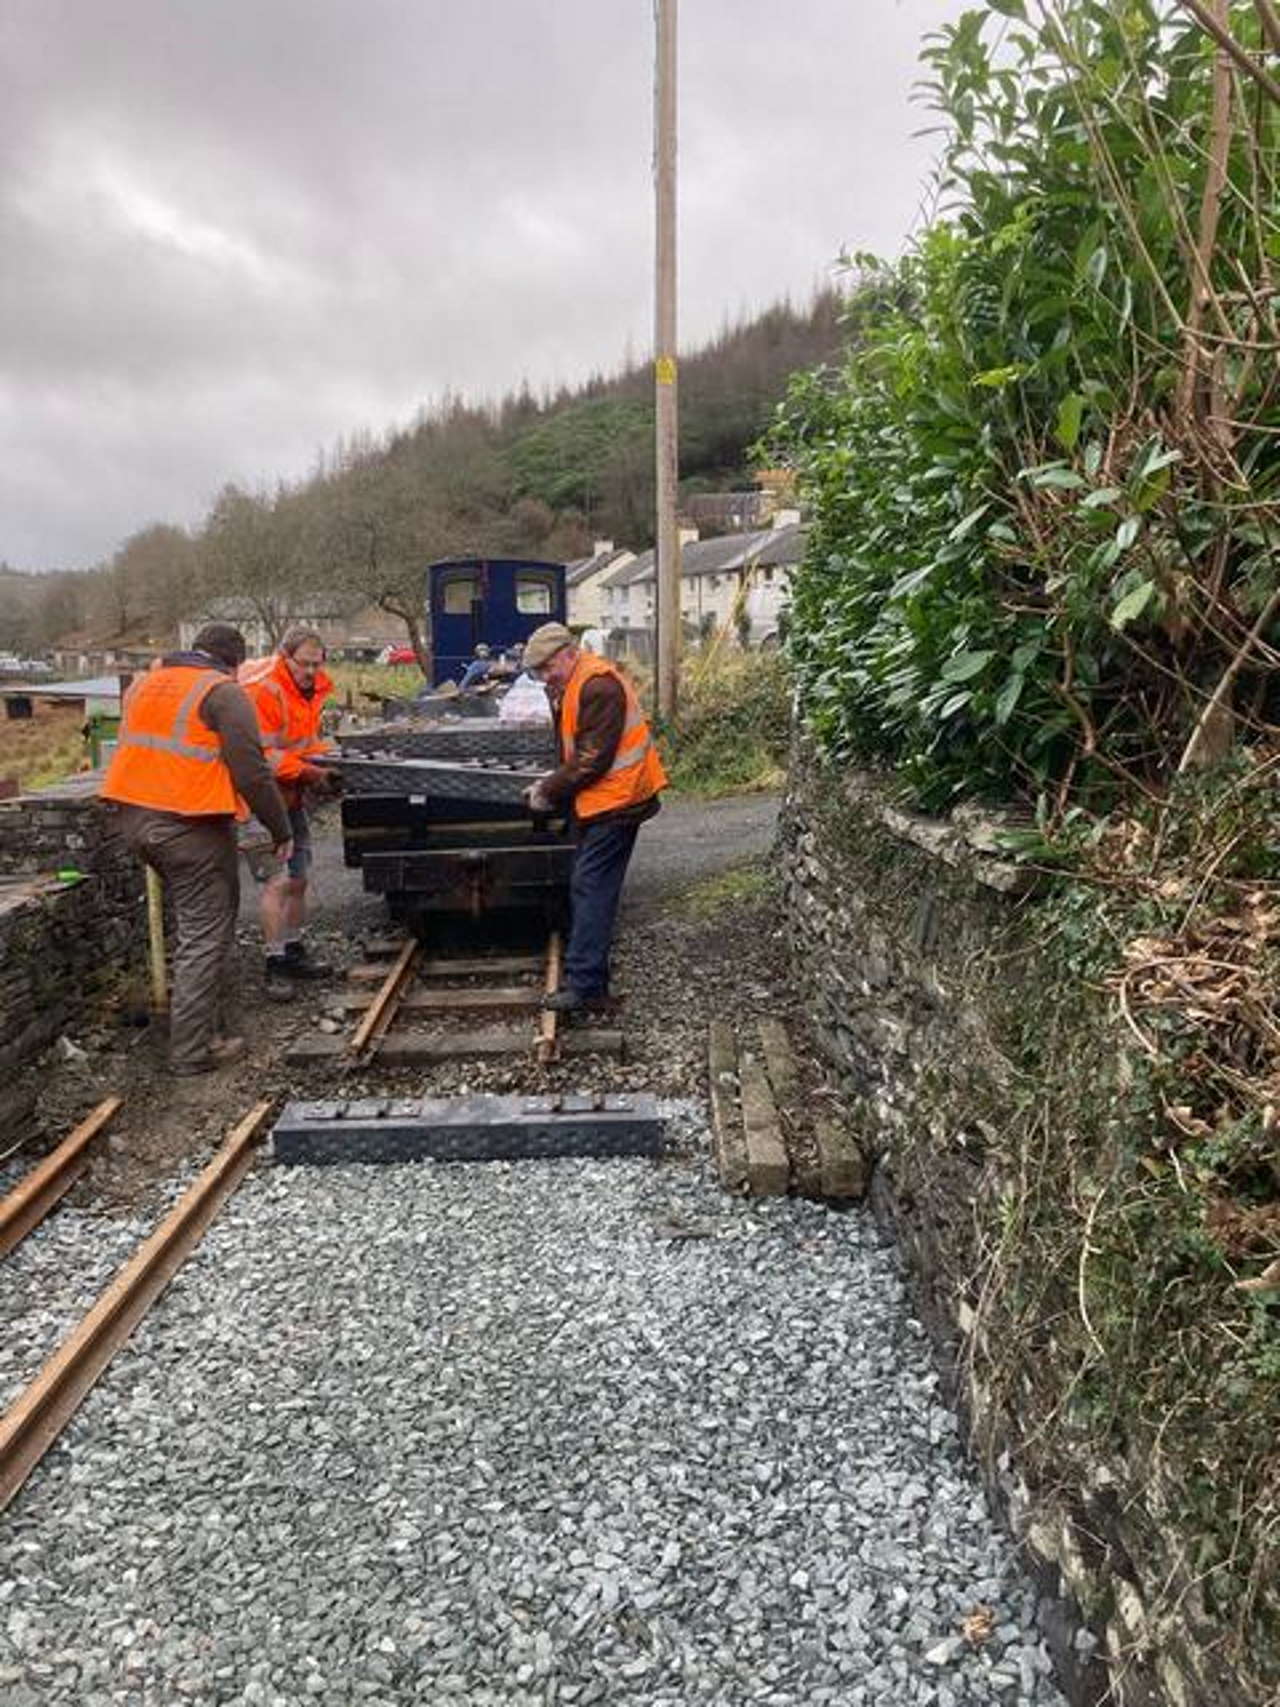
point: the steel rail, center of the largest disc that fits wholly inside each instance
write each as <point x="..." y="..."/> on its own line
<point x="38" y="1416"/>
<point x="548" y="1043"/>
<point x="377" y="1018"/>
<point x="50" y="1180"/>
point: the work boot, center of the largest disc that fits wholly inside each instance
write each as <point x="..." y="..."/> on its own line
<point x="567" y="1000"/>
<point x="225" y="1050"/>
<point x="280" y="984"/>
<point x="292" y="966"/>
<point x="301" y="965"/>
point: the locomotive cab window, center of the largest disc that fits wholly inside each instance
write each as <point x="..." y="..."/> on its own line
<point x="535" y="595"/>
<point x="458" y="593"/>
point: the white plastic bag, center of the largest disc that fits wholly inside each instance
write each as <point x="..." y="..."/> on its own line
<point x="525" y="701"/>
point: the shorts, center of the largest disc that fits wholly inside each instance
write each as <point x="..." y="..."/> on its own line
<point x="300" y="858"/>
<point x="255" y="844"/>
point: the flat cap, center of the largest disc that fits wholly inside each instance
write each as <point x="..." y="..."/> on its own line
<point x="544" y="643"/>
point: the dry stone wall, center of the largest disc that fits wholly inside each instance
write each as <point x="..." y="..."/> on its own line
<point x="912" y="937"/>
<point x="63" y="941"/>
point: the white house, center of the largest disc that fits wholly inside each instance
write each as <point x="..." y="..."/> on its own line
<point x="739" y="581"/>
<point x="585" y="579"/>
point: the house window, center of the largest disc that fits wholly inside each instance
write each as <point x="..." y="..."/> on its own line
<point x="768" y="575"/>
<point x="534" y="595"/>
<point x="458" y="593"/>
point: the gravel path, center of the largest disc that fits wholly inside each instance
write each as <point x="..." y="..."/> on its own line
<point x="557" y="1432"/>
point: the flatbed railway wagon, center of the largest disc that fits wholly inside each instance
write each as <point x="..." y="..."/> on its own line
<point x="433" y="810"/>
<point x="433" y="816"/>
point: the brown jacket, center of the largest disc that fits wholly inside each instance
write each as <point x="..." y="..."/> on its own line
<point x="602" y="715"/>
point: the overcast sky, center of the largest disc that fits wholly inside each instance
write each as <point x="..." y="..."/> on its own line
<point x="232" y="231"/>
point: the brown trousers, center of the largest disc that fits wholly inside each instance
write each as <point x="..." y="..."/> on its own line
<point x="197" y="862"/>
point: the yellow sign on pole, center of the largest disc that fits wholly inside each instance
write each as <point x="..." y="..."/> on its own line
<point x="664" y="370"/>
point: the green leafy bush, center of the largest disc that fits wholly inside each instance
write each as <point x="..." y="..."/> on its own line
<point x="1045" y="479"/>
<point x="732" y="730"/>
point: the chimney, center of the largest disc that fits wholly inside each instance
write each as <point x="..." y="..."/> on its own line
<point x="785" y="519"/>
<point x="687" y="536"/>
<point x="601" y="547"/>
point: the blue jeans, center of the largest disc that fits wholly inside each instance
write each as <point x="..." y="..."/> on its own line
<point x="594" y="892"/>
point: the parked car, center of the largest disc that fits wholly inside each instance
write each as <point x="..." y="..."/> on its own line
<point x="397" y="655"/>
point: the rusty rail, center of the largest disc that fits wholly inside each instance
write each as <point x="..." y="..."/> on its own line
<point x="50" y="1180"/>
<point x="548" y="1046"/>
<point x="37" y="1417"/>
<point x="377" y="1017"/>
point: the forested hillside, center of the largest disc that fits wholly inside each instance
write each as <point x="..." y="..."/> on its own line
<point x="527" y="475"/>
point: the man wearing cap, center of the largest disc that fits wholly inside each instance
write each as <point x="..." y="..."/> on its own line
<point x="610" y="778"/>
<point x="187" y="757"/>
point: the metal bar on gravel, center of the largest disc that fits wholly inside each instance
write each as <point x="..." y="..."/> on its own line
<point x="37" y="1417"/>
<point x="50" y="1180"/>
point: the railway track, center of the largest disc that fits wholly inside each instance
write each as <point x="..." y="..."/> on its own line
<point x="46" y="1185"/>
<point x="411" y="1008"/>
<point x="388" y="996"/>
<point x="37" y="1417"/>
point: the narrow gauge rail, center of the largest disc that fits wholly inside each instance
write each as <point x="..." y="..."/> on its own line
<point x="413" y="983"/>
<point x="431" y="821"/>
<point x="37" y="1417"/>
<point x="49" y="1182"/>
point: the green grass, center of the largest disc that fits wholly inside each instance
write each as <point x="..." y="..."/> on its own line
<point x="731" y="733"/>
<point x="394" y="681"/>
<point x="739" y="886"/>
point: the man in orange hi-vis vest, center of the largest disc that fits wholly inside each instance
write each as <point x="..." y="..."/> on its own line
<point x="288" y="691"/>
<point x="611" y="778"/>
<point x="187" y="756"/>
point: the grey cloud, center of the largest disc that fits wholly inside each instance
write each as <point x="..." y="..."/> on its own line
<point x="234" y="231"/>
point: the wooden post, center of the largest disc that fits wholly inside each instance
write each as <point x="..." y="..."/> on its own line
<point x="667" y="558"/>
<point x="155" y="938"/>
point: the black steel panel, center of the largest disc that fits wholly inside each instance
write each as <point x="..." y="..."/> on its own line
<point x="517" y="743"/>
<point x="481" y="877"/>
<point x="467" y="1129"/>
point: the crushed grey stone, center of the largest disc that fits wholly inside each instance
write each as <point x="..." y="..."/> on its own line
<point x="486" y="1435"/>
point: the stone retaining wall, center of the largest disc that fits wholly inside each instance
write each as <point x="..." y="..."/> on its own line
<point x="911" y="938"/>
<point x="62" y="942"/>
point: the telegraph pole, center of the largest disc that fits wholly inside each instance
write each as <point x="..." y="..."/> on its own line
<point x="667" y="638"/>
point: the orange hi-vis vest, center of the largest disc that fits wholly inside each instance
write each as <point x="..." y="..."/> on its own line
<point x="166" y="757"/>
<point x="288" y="721"/>
<point x="636" y="773"/>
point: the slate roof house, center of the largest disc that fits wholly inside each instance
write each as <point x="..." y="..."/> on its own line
<point x="584" y="583"/>
<point x="739" y="580"/>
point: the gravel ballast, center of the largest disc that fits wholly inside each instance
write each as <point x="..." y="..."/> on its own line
<point x="517" y="1433"/>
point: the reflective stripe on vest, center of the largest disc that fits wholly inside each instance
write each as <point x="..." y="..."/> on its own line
<point x="167" y="759"/>
<point x="635" y="773"/>
<point x="263" y="676"/>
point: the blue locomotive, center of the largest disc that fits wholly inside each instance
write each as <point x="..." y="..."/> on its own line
<point x="495" y="600"/>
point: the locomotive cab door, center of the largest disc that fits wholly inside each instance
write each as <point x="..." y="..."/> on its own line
<point x="457" y="618"/>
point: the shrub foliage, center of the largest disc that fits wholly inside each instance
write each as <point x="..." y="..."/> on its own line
<point x="1045" y="477"/>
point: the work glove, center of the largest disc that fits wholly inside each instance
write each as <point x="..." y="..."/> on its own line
<point x="538" y="802"/>
<point x="319" y="778"/>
